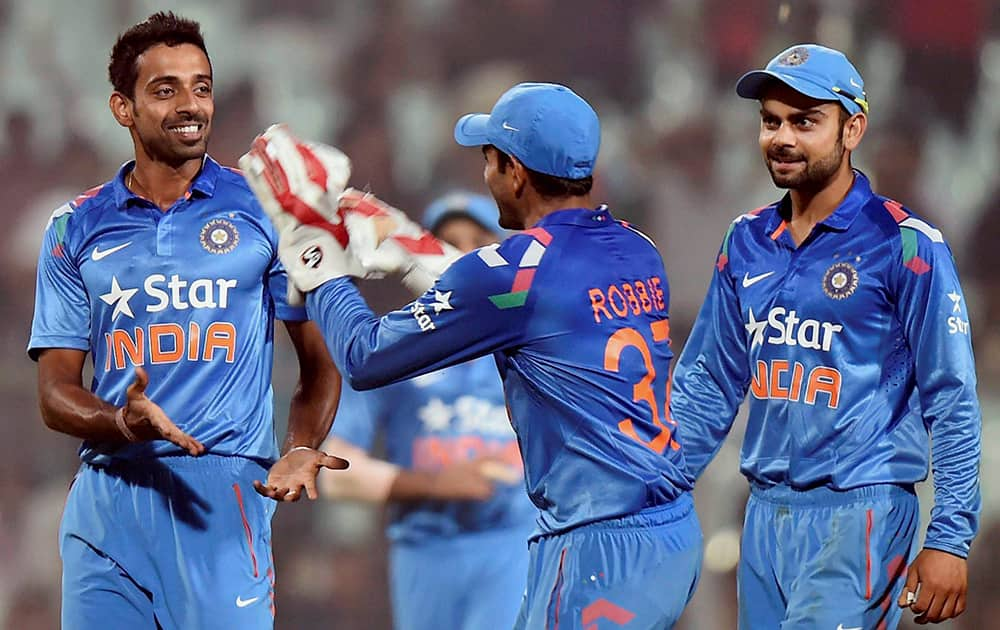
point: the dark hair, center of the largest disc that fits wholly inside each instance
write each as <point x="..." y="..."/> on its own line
<point x="550" y="186"/>
<point x="162" y="27"/>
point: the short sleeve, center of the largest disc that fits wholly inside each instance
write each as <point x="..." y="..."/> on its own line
<point x="277" y="286"/>
<point x="62" y="306"/>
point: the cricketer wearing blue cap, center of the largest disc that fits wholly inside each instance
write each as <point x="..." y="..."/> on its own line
<point x="841" y="312"/>
<point x="452" y="473"/>
<point x="574" y="310"/>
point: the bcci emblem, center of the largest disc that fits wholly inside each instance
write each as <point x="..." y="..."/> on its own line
<point x="840" y="281"/>
<point x="794" y="57"/>
<point x="219" y="236"/>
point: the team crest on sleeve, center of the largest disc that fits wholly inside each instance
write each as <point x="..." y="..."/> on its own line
<point x="219" y="236"/>
<point x="840" y="281"/>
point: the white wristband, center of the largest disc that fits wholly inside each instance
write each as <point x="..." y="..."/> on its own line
<point x="300" y="448"/>
<point x="123" y="426"/>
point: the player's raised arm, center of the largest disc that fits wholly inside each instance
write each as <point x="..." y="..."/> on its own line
<point x="298" y="184"/>
<point x="932" y="307"/>
<point x="455" y="320"/>
<point x="710" y="378"/>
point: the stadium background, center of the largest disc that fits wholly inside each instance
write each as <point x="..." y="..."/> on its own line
<point x="385" y="80"/>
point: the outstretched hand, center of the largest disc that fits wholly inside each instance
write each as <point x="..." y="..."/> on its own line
<point x="297" y="469"/>
<point x="145" y="420"/>
<point x="939" y="581"/>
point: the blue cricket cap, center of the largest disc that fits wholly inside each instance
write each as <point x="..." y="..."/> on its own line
<point x="816" y="71"/>
<point x="479" y="208"/>
<point x="546" y="126"/>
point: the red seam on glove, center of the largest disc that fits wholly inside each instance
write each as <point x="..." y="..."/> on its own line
<point x="426" y="244"/>
<point x="314" y="167"/>
<point x="276" y="178"/>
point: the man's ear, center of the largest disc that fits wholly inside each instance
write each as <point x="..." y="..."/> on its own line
<point x="519" y="176"/>
<point x="854" y="130"/>
<point x="121" y="108"/>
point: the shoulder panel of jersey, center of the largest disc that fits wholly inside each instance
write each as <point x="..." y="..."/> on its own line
<point x="517" y="258"/>
<point x="76" y="214"/>
<point x="912" y="230"/>
<point x="747" y="220"/>
<point x="637" y="231"/>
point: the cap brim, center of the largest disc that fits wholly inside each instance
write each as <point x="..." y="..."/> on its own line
<point x="752" y="85"/>
<point x="470" y="130"/>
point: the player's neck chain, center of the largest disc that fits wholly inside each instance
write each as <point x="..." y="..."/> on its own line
<point x="130" y="181"/>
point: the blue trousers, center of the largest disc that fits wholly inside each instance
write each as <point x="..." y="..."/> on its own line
<point x="825" y="559"/>
<point x="181" y="542"/>
<point x="469" y="582"/>
<point x="630" y="573"/>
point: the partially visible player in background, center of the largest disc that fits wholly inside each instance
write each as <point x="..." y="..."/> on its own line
<point x="168" y="276"/>
<point x="574" y="310"/>
<point x="459" y="517"/>
<point x="841" y="312"/>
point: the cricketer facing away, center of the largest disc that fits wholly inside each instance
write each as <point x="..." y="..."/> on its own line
<point x="574" y="309"/>
<point x="452" y="522"/>
<point x="168" y="276"/>
<point x="842" y="314"/>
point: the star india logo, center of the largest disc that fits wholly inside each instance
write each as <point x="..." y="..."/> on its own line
<point x="840" y="281"/>
<point x="219" y="236"/>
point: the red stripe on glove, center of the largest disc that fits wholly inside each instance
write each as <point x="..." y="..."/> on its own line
<point x="277" y="180"/>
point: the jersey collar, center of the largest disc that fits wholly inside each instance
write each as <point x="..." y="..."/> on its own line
<point x="202" y="186"/>
<point x="577" y="216"/>
<point x="843" y="216"/>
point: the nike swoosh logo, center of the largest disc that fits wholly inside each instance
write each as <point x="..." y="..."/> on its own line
<point x="855" y="84"/>
<point x="243" y="603"/>
<point x="748" y="281"/>
<point x="97" y="254"/>
<point x="840" y="626"/>
<point x="506" y="126"/>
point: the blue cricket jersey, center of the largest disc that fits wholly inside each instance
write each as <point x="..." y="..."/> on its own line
<point x="855" y="349"/>
<point x="190" y="294"/>
<point x="436" y="420"/>
<point x="575" y="310"/>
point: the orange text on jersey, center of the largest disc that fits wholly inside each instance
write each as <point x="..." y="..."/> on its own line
<point x="781" y="381"/>
<point x="627" y="298"/>
<point x="169" y="343"/>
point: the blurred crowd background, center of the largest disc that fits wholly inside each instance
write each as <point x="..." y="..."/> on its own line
<point x="385" y="80"/>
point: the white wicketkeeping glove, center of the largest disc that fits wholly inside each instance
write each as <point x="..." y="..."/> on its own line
<point x="297" y="184"/>
<point x="386" y="241"/>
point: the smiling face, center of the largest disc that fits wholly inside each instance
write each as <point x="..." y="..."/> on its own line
<point x="805" y="142"/>
<point x="170" y="117"/>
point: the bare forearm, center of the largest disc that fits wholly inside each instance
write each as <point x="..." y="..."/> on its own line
<point x="414" y="485"/>
<point x="72" y="410"/>
<point x="376" y="481"/>
<point x="318" y="391"/>
<point x="311" y="413"/>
